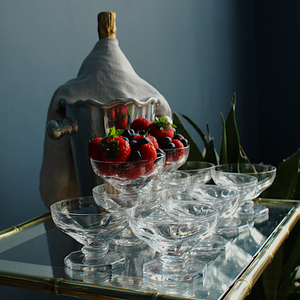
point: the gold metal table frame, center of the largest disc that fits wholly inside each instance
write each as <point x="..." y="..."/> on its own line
<point x="27" y="260"/>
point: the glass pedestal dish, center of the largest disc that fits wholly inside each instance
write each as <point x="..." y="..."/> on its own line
<point x="265" y="175"/>
<point x="173" y="229"/>
<point x="94" y="227"/>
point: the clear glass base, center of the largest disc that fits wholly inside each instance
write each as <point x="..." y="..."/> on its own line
<point x="190" y="270"/>
<point x="210" y="248"/>
<point x="79" y="262"/>
<point x="126" y="238"/>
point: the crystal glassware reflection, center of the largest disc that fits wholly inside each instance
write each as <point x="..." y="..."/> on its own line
<point x="172" y="233"/>
<point x="199" y="171"/>
<point x="92" y="226"/>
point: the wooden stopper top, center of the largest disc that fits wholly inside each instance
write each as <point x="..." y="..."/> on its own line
<point x="107" y="25"/>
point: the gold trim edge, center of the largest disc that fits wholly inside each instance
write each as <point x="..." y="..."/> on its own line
<point x="243" y="286"/>
<point x="25" y="225"/>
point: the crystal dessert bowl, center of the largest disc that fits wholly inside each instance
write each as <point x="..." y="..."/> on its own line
<point x="200" y="171"/>
<point x="172" y="230"/>
<point x="131" y="176"/>
<point x="265" y="174"/>
<point x="114" y="201"/>
<point x="246" y="185"/>
<point x="175" y="158"/>
<point x="93" y="227"/>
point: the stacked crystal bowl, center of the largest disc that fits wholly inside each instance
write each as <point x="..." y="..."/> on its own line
<point x="152" y="196"/>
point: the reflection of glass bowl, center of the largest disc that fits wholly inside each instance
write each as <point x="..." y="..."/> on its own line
<point x="265" y="174"/>
<point x="199" y="171"/>
<point x="175" y="158"/>
<point x="173" y="233"/>
<point x="129" y="177"/>
<point x="92" y="226"/>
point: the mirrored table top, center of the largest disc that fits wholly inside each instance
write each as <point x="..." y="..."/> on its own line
<point x="32" y="256"/>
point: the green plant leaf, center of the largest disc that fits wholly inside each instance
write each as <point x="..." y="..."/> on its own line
<point x="195" y="153"/>
<point x="200" y="132"/>
<point x="223" y="147"/>
<point x="232" y="135"/>
<point x="286" y="181"/>
<point x="211" y="154"/>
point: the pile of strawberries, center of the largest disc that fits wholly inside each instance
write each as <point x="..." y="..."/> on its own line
<point x="133" y="152"/>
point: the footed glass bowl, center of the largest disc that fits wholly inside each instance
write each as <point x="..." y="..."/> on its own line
<point x="175" y="158"/>
<point x="129" y="177"/>
<point x="172" y="230"/>
<point x="92" y="226"/>
<point x="200" y="171"/>
<point x="265" y="174"/>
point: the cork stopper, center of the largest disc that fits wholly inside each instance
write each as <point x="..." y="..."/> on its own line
<point x="107" y="25"/>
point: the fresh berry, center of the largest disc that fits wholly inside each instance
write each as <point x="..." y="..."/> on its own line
<point x="116" y="150"/>
<point x="165" y="141"/>
<point x="140" y="124"/>
<point x="143" y="140"/>
<point x="107" y="169"/>
<point x="135" y="156"/>
<point x="125" y="138"/>
<point x="148" y="152"/>
<point x="133" y="145"/>
<point x="178" y="136"/>
<point x="132" y="171"/>
<point x="170" y="148"/>
<point x="159" y="153"/>
<point x="153" y="141"/>
<point x="129" y="133"/>
<point x="185" y="142"/>
<point x="161" y="128"/>
<point x="178" y="152"/>
<point x="94" y="149"/>
<point x="150" y="167"/>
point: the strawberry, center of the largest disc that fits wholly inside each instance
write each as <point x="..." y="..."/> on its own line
<point x="140" y="124"/>
<point x="116" y="150"/>
<point x="161" y="128"/>
<point x="148" y="152"/>
<point x="132" y="171"/>
<point x="153" y="141"/>
<point x="151" y="138"/>
<point x="107" y="169"/>
<point x="177" y="153"/>
<point x="94" y="149"/>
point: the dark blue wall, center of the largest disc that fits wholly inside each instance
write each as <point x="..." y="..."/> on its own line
<point x="277" y="31"/>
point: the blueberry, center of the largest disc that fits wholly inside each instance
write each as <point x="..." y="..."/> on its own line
<point x="135" y="156"/>
<point x="170" y="148"/>
<point x="143" y="140"/>
<point x="178" y="136"/>
<point x="159" y="152"/>
<point x="133" y="145"/>
<point x="141" y="132"/>
<point x="165" y="141"/>
<point x="185" y="142"/>
<point x="129" y="133"/>
<point x="125" y="138"/>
